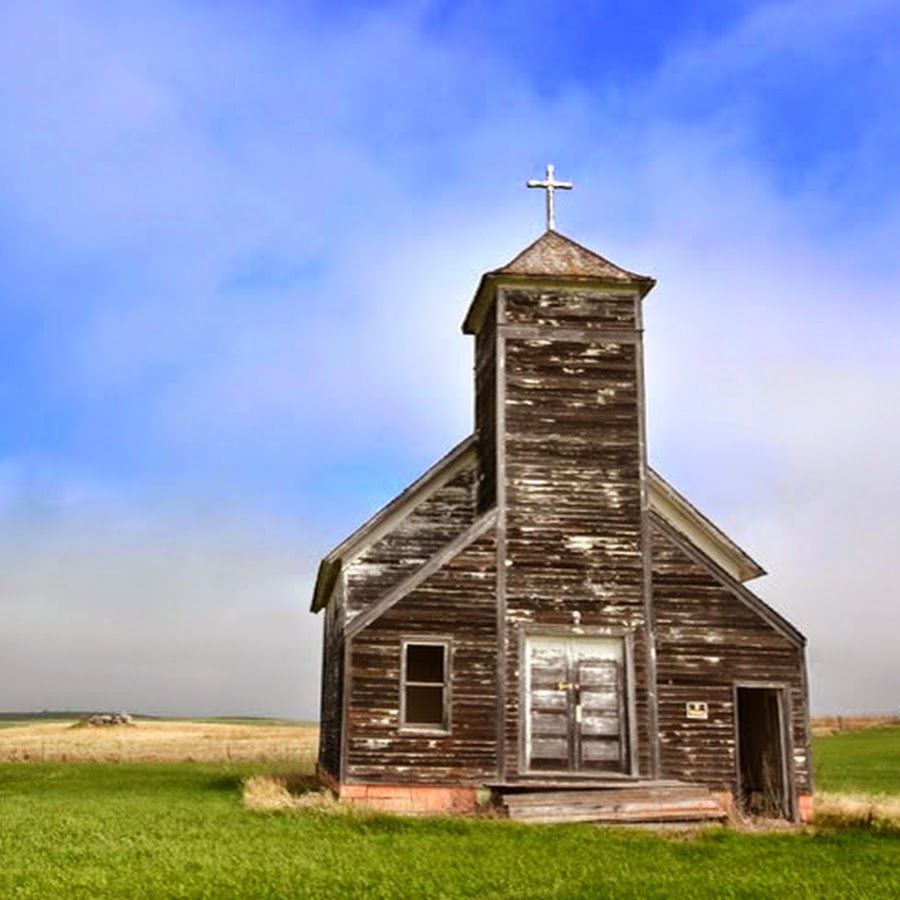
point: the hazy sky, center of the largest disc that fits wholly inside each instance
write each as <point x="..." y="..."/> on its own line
<point x="236" y="244"/>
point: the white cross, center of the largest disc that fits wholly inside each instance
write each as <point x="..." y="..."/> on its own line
<point x="550" y="184"/>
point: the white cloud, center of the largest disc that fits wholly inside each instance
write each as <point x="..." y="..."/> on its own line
<point x="772" y="378"/>
<point x="164" y="614"/>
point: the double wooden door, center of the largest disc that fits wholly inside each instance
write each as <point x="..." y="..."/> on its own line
<point x="575" y="698"/>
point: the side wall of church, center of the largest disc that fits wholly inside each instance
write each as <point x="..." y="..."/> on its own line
<point x="457" y="604"/>
<point x="709" y="640"/>
<point x="486" y="411"/>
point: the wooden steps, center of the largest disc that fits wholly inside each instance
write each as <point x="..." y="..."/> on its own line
<point x="669" y="802"/>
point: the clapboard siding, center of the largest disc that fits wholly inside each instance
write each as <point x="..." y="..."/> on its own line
<point x="708" y="640"/>
<point x="572" y="459"/>
<point x="438" y="519"/>
<point x="486" y="412"/>
<point x="458" y="602"/>
<point x="570" y="308"/>
<point x="332" y="689"/>
<point x="538" y="537"/>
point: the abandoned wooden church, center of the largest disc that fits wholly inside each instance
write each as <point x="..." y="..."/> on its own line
<point x="541" y="615"/>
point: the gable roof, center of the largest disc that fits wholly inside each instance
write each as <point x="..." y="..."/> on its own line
<point x="462" y="455"/>
<point x="553" y="256"/>
<point x="674" y="508"/>
<point x="746" y="596"/>
<point x="479" y="527"/>
<point x="671" y="506"/>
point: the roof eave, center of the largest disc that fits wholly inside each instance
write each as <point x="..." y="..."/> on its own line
<point x="745" y="566"/>
<point x="774" y="618"/>
<point x="479" y="305"/>
<point x="329" y="572"/>
<point x="331" y="564"/>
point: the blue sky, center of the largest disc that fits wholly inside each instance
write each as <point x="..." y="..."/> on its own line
<point x="236" y="244"/>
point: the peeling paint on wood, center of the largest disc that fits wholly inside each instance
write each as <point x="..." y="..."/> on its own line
<point x="538" y="552"/>
<point x="693" y="610"/>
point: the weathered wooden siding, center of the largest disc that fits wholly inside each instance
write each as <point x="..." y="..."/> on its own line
<point x="486" y="411"/>
<point x="332" y="688"/>
<point x="572" y="459"/>
<point x="432" y="525"/>
<point x="457" y="602"/>
<point x="560" y="464"/>
<point x="707" y="640"/>
<point x="570" y="309"/>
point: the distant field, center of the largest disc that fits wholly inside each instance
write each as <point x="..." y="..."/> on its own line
<point x="151" y="740"/>
<point x="850" y="754"/>
<point x="824" y="725"/>
<point x="865" y="759"/>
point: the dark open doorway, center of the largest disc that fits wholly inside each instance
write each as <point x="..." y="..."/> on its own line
<point x="761" y="757"/>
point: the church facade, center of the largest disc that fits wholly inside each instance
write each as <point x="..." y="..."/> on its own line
<point x="542" y="611"/>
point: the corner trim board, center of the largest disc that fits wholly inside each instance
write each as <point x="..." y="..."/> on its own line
<point x="500" y="474"/>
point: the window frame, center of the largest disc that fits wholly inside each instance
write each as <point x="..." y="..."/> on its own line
<point x="426" y="727"/>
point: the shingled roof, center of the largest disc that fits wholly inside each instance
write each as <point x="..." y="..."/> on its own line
<point x="552" y="256"/>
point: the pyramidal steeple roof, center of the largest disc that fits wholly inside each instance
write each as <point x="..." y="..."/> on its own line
<point x="554" y="256"/>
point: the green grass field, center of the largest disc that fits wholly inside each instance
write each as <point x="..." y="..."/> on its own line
<point x="75" y="829"/>
<point x="867" y="759"/>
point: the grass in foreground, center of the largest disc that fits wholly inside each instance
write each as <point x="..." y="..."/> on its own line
<point x="873" y="811"/>
<point x="858" y="777"/>
<point x="177" y="828"/>
<point x="180" y="830"/>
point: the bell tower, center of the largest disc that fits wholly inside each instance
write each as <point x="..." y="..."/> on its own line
<point x="559" y="413"/>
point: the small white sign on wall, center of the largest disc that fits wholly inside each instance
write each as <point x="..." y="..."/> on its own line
<point x="697" y="709"/>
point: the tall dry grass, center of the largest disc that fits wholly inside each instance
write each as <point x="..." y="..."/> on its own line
<point x="877" y="811"/>
<point x="162" y="741"/>
<point x="826" y="725"/>
<point x="267" y="792"/>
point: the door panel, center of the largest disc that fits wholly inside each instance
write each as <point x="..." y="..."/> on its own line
<point x="575" y="705"/>
<point x="602" y="715"/>
<point x="548" y="717"/>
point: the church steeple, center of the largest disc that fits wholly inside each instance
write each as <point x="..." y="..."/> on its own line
<point x="555" y="289"/>
<point x="559" y="414"/>
<point x="553" y="256"/>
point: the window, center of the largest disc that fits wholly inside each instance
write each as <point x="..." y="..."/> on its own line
<point x="424" y="690"/>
